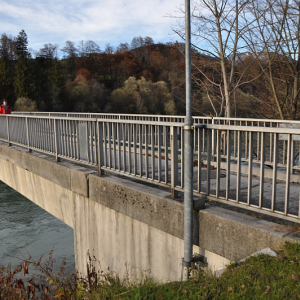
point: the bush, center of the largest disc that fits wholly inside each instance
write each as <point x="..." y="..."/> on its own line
<point x="25" y="104"/>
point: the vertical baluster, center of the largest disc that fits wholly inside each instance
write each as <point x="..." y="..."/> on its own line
<point x="228" y="150"/>
<point x="218" y="150"/>
<point x="275" y="162"/>
<point x="165" y="138"/>
<point x="119" y="146"/>
<point x="283" y="151"/>
<point x="292" y="155"/>
<point x="124" y="146"/>
<point x="199" y="158"/>
<point x="238" y="171"/>
<point x="64" y="138"/>
<point x="129" y="148"/>
<point x="141" y="149"/>
<point x="93" y="143"/>
<point x="100" y="148"/>
<point x="182" y="156"/>
<point x="37" y="121"/>
<point x="174" y="161"/>
<point x="87" y="137"/>
<point x="209" y="140"/>
<point x="288" y="175"/>
<point x="258" y="146"/>
<point x="27" y="135"/>
<point x="271" y="143"/>
<point x="48" y="134"/>
<point x="41" y="125"/>
<point x="105" y="158"/>
<point x="114" y="145"/>
<point x="77" y="140"/>
<point x="68" y="138"/>
<point x="109" y="125"/>
<point x="250" y="168"/>
<point x="135" y="132"/>
<point x="146" y="150"/>
<point x="262" y="169"/>
<point x="72" y="139"/>
<point x="153" y="151"/>
<point x="57" y="139"/>
<point x="159" y="141"/>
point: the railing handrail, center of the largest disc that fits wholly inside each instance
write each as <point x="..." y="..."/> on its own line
<point x="152" y="150"/>
<point x="118" y="115"/>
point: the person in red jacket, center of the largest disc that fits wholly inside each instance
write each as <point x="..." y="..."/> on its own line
<point x="5" y="108"/>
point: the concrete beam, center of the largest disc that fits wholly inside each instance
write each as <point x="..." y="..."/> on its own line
<point x="123" y="222"/>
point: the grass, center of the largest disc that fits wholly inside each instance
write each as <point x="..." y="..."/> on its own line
<point x="259" y="277"/>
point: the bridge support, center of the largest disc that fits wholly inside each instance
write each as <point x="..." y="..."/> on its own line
<point x="132" y="228"/>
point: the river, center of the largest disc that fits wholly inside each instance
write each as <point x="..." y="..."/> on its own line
<point x="26" y="229"/>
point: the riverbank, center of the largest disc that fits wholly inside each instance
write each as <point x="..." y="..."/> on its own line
<point x="258" y="277"/>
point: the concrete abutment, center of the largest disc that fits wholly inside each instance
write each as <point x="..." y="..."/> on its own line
<point x="131" y="227"/>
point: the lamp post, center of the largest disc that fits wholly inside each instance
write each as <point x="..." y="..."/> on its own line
<point x="188" y="153"/>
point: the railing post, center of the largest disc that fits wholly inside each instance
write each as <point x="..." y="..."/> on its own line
<point x="213" y="142"/>
<point x="56" y="139"/>
<point x="174" y="161"/>
<point x="208" y="158"/>
<point x="27" y="133"/>
<point x="8" y="135"/>
<point x="100" y="148"/>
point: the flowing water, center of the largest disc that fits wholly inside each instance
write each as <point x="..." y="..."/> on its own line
<point x="26" y="229"/>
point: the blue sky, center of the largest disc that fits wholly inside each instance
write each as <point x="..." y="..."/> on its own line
<point x="102" y="21"/>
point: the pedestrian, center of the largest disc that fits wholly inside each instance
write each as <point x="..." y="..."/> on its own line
<point x="5" y="108"/>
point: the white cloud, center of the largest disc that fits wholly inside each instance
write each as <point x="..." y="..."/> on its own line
<point x="104" y="21"/>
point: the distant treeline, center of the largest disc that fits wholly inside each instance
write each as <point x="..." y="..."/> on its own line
<point x="142" y="77"/>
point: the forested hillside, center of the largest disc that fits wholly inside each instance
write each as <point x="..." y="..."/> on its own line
<point x="239" y="69"/>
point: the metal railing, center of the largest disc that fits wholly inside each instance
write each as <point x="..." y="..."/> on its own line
<point x="252" y="164"/>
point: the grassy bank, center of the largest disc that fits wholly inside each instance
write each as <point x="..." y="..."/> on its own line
<point x="260" y="277"/>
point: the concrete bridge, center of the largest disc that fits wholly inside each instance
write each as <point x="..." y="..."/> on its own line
<point x="118" y="182"/>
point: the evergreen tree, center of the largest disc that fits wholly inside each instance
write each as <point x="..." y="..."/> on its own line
<point x="21" y="77"/>
<point x="4" y="78"/>
<point x="21" y="44"/>
<point x="55" y="86"/>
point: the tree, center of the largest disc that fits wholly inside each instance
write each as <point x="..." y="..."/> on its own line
<point x="21" y="77"/>
<point x="88" y="47"/>
<point x="49" y="51"/>
<point x="142" y="96"/>
<point x="275" y="41"/>
<point x="21" y="44"/>
<point x="218" y="29"/>
<point x="4" y="78"/>
<point x="25" y="104"/>
<point x="55" y="84"/>
<point x="70" y="54"/>
<point x="109" y="49"/>
<point x="7" y="47"/>
<point x="123" y="47"/>
<point x="137" y="42"/>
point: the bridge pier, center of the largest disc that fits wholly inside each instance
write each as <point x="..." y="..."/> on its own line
<point x="130" y="227"/>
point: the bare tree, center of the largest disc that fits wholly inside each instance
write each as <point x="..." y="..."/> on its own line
<point x="70" y="54"/>
<point x="88" y="47"/>
<point x="70" y="51"/>
<point x="48" y="51"/>
<point x="7" y="47"/>
<point x="109" y="49"/>
<point x="275" y="40"/>
<point x="123" y="47"/>
<point x="217" y="30"/>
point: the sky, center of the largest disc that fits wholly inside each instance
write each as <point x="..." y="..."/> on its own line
<point x="102" y="21"/>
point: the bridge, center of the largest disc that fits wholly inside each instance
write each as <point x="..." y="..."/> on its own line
<point x="117" y="181"/>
